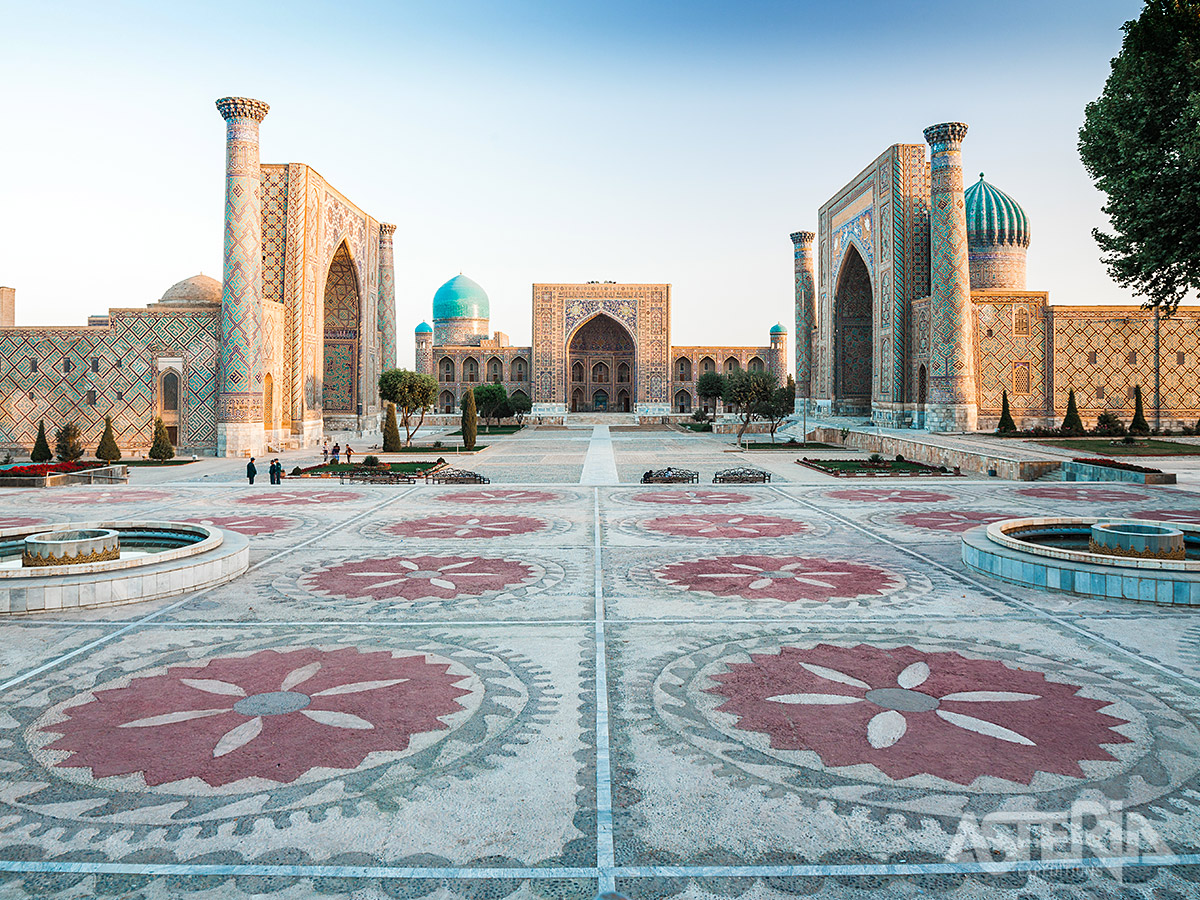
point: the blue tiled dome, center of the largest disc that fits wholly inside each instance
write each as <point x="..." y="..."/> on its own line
<point x="424" y="328"/>
<point x="460" y="298"/>
<point x="993" y="217"/>
<point x="778" y="328"/>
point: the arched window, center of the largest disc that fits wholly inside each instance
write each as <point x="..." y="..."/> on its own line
<point x="600" y="401"/>
<point x="600" y="375"/>
<point x="577" y="372"/>
<point x="731" y="365"/>
<point x="576" y="399"/>
<point x="495" y="370"/>
<point x="683" y="402"/>
<point x="170" y="392"/>
<point x="470" y="368"/>
<point x="755" y="364"/>
<point x="707" y="365"/>
<point x="518" y="369"/>
<point x="683" y="369"/>
<point x="446" y="369"/>
<point x="1021" y="321"/>
<point x="623" y="373"/>
<point x="446" y="402"/>
<point x="623" y="401"/>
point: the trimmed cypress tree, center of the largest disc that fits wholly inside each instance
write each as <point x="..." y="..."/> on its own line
<point x="470" y="420"/>
<point x="161" y="448"/>
<point x="1007" y="425"/>
<point x="108" y="451"/>
<point x="41" y="447"/>
<point x="1139" y="425"/>
<point x="1072" y="424"/>
<point x="68" y="442"/>
<point x="391" y="431"/>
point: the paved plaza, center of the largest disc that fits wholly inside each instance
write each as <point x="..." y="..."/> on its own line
<point x="565" y="683"/>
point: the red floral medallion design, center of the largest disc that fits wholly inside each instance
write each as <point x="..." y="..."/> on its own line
<point x="1082" y="494"/>
<point x="466" y="526"/>
<point x="252" y="525"/>
<point x="885" y="495"/>
<point x="18" y="521"/>
<point x="956" y="520"/>
<point x="692" y="498"/>
<point x="1187" y="516"/>
<point x="500" y="495"/>
<point x="300" y="498"/>
<point x="419" y="577"/>
<point x="909" y="712"/>
<point x="718" y="525"/>
<point x="269" y="715"/>
<point x="787" y="578"/>
<point x="101" y="498"/>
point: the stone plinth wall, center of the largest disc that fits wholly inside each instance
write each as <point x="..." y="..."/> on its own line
<point x="1076" y="471"/>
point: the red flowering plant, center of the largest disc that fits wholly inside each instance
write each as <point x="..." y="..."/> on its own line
<point x="40" y="470"/>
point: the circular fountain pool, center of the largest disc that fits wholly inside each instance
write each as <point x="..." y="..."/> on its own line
<point x="1062" y="554"/>
<point x="104" y="563"/>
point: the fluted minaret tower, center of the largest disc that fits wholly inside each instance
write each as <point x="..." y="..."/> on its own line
<point x="778" y="362"/>
<point x="806" y="313"/>
<point x="952" y="404"/>
<point x="423" y="359"/>
<point x="240" y="429"/>
<point x="387" y="296"/>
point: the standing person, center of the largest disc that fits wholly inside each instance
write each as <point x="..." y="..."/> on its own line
<point x="337" y="451"/>
<point x="251" y="470"/>
<point x="325" y="452"/>
<point x="274" y="470"/>
<point x="349" y="453"/>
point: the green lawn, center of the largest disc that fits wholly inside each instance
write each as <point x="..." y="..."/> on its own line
<point x="784" y="445"/>
<point x="404" y="468"/>
<point x="148" y="462"/>
<point x="864" y="467"/>
<point x="1114" y="447"/>
<point x="699" y="427"/>
<point x="495" y="429"/>
<point x="425" y="448"/>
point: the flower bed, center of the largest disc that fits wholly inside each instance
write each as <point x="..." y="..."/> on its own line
<point x="886" y="468"/>
<point x="1113" y="464"/>
<point x="41" y="470"/>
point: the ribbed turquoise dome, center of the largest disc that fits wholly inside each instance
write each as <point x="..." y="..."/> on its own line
<point x="993" y="217"/>
<point x="424" y="328"/>
<point x="460" y="298"/>
<point x="778" y="328"/>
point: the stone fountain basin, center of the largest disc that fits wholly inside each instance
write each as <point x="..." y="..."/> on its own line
<point x="997" y="550"/>
<point x="62" y="548"/>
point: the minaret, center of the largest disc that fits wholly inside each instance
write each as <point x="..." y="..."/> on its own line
<point x="952" y="403"/>
<point x="423" y="358"/>
<point x="239" y="377"/>
<point x="387" y="296"/>
<point x="806" y="313"/>
<point x="778" y="362"/>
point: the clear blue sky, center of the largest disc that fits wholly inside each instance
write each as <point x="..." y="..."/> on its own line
<point x="533" y="141"/>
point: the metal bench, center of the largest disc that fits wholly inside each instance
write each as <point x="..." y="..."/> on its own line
<point x="366" y="476"/>
<point x="671" y="475"/>
<point x="741" y="475"/>
<point x="448" y="475"/>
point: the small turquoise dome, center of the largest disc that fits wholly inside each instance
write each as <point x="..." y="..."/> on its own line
<point x="778" y="328"/>
<point x="460" y="298"/>
<point x="424" y="328"/>
<point x="993" y="217"/>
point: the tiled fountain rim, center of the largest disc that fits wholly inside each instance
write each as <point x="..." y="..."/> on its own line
<point x="996" y="533"/>
<point x="211" y="539"/>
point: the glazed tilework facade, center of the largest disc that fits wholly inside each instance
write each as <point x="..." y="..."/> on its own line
<point x="294" y="346"/>
<point x="596" y="348"/>
<point x="936" y="353"/>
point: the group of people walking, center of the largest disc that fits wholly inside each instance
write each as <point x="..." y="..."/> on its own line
<point x="334" y="454"/>
<point x="275" y="470"/>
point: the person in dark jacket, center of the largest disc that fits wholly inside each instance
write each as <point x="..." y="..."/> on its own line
<point x="251" y="471"/>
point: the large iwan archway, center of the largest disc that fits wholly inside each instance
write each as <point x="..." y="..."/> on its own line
<point x="339" y="395"/>
<point x="852" y="337"/>
<point x="600" y="366"/>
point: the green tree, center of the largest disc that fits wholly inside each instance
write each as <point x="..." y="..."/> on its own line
<point x="710" y="386"/>
<point x="744" y="392"/>
<point x="1139" y="425"/>
<point x="391" y="433"/>
<point x="68" y="443"/>
<point x="470" y="420"/>
<point x="41" y="447"/>
<point x="778" y="406"/>
<point x="108" y="449"/>
<point x="161" y="447"/>
<point x="1072" y="424"/>
<point x="1140" y="143"/>
<point x="521" y="405"/>
<point x="413" y="394"/>
<point x="1006" y="425"/>
<point x="491" y="401"/>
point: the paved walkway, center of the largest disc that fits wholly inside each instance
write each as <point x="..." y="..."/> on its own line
<point x="600" y="465"/>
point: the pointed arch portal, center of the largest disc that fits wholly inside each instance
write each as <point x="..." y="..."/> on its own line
<point x="339" y="393"/>
<point x="852" y="336"/>
<point x="601" y="347"/>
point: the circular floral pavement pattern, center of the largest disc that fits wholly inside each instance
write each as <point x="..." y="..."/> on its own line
<point x="473" y="527"/>
<point x="101" y="498"/>
<point x="251" y="525"/>
<point x="954" y="520"/>
<point x="1187" y="516"/>
<point x="692" y="498"/>
<point x="787" y="578"/>
<point x="888" y="495"/>
<point x="420" y="578"/>
<point x="721" y="525"/>
<point x="300" y="498"/>
<point x="19" y="521"/>
<point x="909" y="712"/>
<point x="500" y="495"/>
<point x="1082" y="494"/>
<point x="268" y="715"/>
